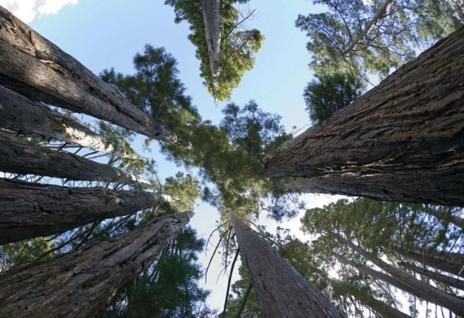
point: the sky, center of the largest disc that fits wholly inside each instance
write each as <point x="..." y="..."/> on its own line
<point x="107" y="33"/>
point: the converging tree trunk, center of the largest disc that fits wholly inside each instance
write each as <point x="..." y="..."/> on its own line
<point x="20" y="114"/>
<point x="436" y="276"/>
<point x="210" y="10"/>
<point x="30" y="210"/>
<point x="402" y="141"/>
<point x="21" y="156"/>
<point x="82" y="283"/>
<point x="37" y="68"/>
<point x="282" y="291"/>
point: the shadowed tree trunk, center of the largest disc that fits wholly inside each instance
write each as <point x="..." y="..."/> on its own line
<point x="282" y="291"/>
<point x="451" y="302"/>
<point x="82" y="283"/>
<point x="30" y="210"/>
<point x="40" y="70"/>
<point x="210" y="10"/>
<point x="18" y="155"/>
<point x="20" y="114"/>
<point x="402" y="141"/>
<point x="438" y="277"/>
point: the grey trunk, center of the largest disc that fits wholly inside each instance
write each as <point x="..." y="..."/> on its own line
<point x="282" y="291"/>
<point x="436" y="276"/>
<point x="82" y="283"/>
<point x="18" y="155"/>
<point x="401" y="141"/>
<point x="30" y="210"/>
<point x="210" y="10"/>
<point x="40" y="70"/>
<point x="20" y="114"/>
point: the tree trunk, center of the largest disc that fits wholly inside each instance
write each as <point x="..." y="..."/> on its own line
<point x="82" y="283"/>
<point x="210" y="10"/>
<point x="20" y="114"/>
<point x="281" y="290"/>
<point x="40" y="70"/>
<point x="436" y="295"/>
<point x="401" y="141"/>
<point x="436" y="276"/>
<point x="454" y="303"/>
<point x="448" y="262"/>
<point x="18" y="155"/>
<point x="30" y="210"/>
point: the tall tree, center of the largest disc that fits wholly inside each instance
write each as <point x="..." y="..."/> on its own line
<point x="29" y="210"/>
<point x="82" y="283"/>
<point x="237" y="46"/>
<point x="40" y="70"/>
<point x="379" y="147"/>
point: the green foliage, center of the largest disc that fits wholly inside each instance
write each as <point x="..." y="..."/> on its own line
<point x="238" y="47"/>
<point x="351" y="36"/>
<point x="22" y="253"/>
<point x="170" y="287"/>
<point x="330" y="93"/>
<point x="184" y="191"/>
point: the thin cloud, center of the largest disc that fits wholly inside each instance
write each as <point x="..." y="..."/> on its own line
<point x="29" y="10"/>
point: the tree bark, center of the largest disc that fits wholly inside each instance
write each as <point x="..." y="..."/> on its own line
<point x="82" y="283"/>
<point x="30" y="210"/>
<point x="40" y="70"/>
<point x="18" y="155"/>
<point x="397" y="282"/>
<point x="20" y="114"/>
<point x="435" y="295"/>
<point x="436" y="276"/>
<point x="401" y="141"/>
<point x="282" y="291"/>
<point x="210" y="10"/>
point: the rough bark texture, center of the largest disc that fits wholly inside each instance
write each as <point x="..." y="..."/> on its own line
<point x="20" y="114"/>
<point x="82" y="283"/>
<point x="282" y="291"/>
<point x="40" y="70"/>
<point x="18" y="155"/>
<point x="403" y="140"/>
<point x="455" y="305"/>
<point x="31" y="210"/>
<point x="436" y="276"/>
<point x="210" y="10"/>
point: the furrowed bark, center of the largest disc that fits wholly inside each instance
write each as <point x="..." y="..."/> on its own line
<point x="31" y="210"/>
<point x="18" y="155"/>
<point x="399" y="283"/>
<point x="436" y="276"/>
<point x="20" y="114"/>
<point x="282" y="291"/>
<point x="35" y="67"/>
<point x="401" y="141"/>
<point x="210" y="10"/>
<point x="82" y="283"/>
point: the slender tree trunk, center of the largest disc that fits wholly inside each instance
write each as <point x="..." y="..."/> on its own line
<point x="210" y="10"/>
<point x="82" y="283"/>
<point x="20" y="114"/>
<point x="448" y="262"/>
<point x="21" y="156"/>
<point x="282" y="291"/>
<point x="436" y="295"/>
<point x="453" y="303"/>
<point x="40" y="70"/>
<point x="30" y="210"/>
<point x="436" y="276"/>
<point x="401" y="141"/>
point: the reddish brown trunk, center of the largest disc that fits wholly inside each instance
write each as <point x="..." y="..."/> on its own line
<point x="31" y="210"/>
<point x="401" y="141"/>
<point x="82" y="283"/>
<point x="282" y="291"/>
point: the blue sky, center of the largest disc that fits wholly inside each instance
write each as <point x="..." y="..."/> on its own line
<point x="107" y="33"/>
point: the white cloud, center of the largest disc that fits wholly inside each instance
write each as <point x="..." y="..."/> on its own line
<point x="29" y="10"/>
